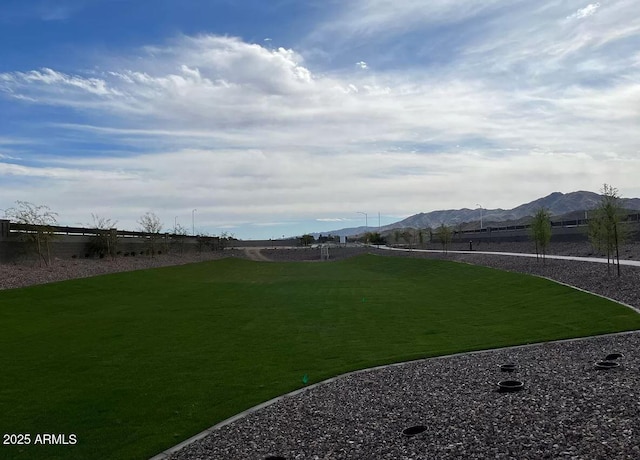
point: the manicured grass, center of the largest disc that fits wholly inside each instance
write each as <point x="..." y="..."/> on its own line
<point x="133" y="363"/>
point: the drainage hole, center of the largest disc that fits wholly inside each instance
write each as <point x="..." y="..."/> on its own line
<point x="510" y="385"/>
<point x="606" y="364"/>
<point x="414" y="430"/>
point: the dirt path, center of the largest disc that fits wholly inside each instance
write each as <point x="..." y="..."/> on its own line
<point x="256" y="254"/>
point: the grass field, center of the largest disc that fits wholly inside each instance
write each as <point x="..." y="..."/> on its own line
<point x="133" y="363"/>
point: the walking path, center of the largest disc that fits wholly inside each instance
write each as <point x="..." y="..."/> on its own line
<point x="635" y="263"/>
<point x="256" y="254"/>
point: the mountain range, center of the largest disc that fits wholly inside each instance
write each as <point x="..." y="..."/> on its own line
<point x="565" y="206"/>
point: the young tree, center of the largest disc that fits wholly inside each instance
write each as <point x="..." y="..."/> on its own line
<point x="541" y="232"/>
<point x="407" y="236"/>
<point x="444" y="235"/>
<point x="226" y="238"/>
<point x="178" y="238"/>
<point x="106" y="239"/>
<point x="151" y="224"/>
<point x="605" y="232"/>
<point x="42" y="219"/>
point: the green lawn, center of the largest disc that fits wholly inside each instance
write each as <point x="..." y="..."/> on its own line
<point x="133" y="363"/>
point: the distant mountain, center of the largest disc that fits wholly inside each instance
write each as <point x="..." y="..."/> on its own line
<point x="558" y="204"/>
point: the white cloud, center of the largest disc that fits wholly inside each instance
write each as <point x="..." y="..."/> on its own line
<point x="376" y="18"/>
<point x="50" y="77"/>
<point x="588" y="10"/>
<point x="362" y="65"/>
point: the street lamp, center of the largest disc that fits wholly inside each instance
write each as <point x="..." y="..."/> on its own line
<point x="366" y="225"/>
<point x="477" y="204"/>
<point x="193" y="222"/>
<point x="366" y="222"/>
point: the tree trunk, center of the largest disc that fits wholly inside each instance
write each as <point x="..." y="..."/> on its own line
<point x="615" y="235"/>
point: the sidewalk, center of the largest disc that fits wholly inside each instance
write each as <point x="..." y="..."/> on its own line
<point x="635" y="263"/>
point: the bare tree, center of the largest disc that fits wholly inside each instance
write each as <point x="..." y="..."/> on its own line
<point x="605" y="232"/>
<point x="179" y="236"/>
<point x="407" y="236"/>
<point x="226" y="238"/>
<point x="444" y="235"/>
<point x="106" y="240"/>
<point x="42" y="219"/>
<point x="150" y="223"/>
<point x="541" y="232"/>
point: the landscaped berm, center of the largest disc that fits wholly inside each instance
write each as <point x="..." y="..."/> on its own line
<point x="133" y="363"/>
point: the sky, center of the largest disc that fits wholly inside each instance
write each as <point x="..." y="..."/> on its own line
<point x="265" y="119"/>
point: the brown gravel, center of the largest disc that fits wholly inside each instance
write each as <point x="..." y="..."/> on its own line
<point x="29" y="273"/>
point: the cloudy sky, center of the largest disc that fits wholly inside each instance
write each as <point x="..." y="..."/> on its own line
<point x="281" y="117"/>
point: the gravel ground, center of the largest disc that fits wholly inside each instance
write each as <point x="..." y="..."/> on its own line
<point x="568" y="409"/>
<point x="30" y="273"/>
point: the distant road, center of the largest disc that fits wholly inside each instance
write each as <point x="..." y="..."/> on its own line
<point x="256" y="254"/>
<point x="635" y="263"/>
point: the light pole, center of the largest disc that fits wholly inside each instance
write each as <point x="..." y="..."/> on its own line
<point x="477" y="204"/>
<point x="366" y="225"/>
<point x="193" y="222"/>
<point x="175" y="224"/>
<point x="366" y="221"/>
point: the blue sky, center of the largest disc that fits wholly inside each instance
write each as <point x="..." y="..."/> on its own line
<point x="281" y="117"/>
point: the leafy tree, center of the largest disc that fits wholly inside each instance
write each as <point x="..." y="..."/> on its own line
<point x="605" y="232"/>
<point x="151" y="224"/>
<point x="307" y="240"/>
<point x="541" y="232"/>
<point x="42" y="219"/>
<point x="106" y="240"/>
<point x="444" y="235"/>
<point x="376" y="238"/>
